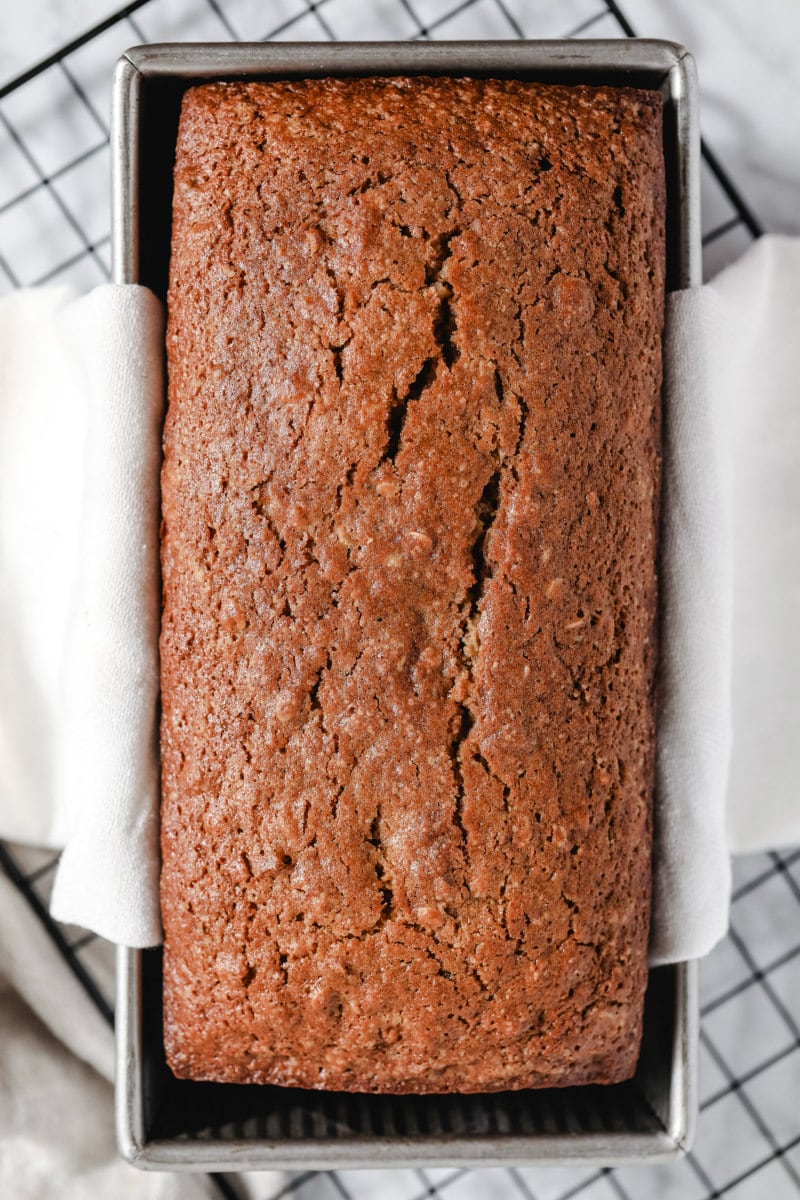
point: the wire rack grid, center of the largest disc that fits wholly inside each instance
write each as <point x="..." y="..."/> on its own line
<point x="54" y="227"/>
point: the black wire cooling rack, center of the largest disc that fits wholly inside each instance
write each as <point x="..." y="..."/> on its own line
<point x="54" y="140"/>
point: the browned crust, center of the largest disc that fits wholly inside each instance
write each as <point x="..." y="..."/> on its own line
<point x="410" y="497"/>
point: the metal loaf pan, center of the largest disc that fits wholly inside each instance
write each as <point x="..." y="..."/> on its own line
<point x="164" y="1123"/>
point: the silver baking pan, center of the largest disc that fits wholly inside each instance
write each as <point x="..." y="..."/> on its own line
<point x="165" y="1123"/>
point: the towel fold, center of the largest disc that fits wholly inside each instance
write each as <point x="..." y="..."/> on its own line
<point x="81" y="382"/>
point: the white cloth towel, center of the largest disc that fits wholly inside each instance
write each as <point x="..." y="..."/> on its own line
<point x="81" y="383"/>
<point x="81" y="404"/>
<point x="759" y="301"/>
<point x="729" y="701"/>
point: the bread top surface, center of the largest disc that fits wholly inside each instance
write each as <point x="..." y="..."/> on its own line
<point x="410" y="496"/>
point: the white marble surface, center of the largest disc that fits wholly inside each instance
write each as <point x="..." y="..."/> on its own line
<point x="31" y="31"/>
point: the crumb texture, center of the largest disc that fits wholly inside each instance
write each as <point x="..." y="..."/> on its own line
<point x="410" y="497"/>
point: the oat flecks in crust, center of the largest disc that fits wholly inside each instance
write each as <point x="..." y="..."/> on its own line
<point x="410" y="498"/>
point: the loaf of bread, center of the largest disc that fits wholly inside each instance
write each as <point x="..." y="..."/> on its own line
<point x="410" y="500"/>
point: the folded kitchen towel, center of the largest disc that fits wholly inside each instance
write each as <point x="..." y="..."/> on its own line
<point x="759" y="300"/>
<point x="729" y="704"/>
<point x="42" y="429"/>
<point x="81" y="387"/>
<point x="81" y="399"/>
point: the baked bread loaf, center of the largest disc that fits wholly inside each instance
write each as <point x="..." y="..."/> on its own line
<point x="410" y="498"/>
